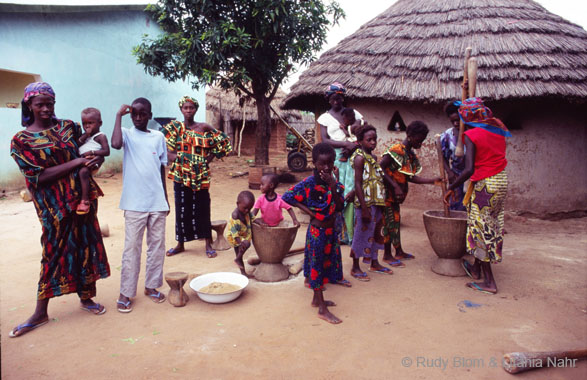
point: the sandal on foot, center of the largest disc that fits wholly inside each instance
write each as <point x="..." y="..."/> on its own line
<point x="20" y="329"/>
<point x="83" y="208"/>
<point x="383" y="270"/>
<point x="406" y="256"/>
<point x="211" y="253"/>
<point x="476" y="287"/>
<point x="362" y="276"/>
<point x="395" y="263"/>
<point x="96" y="309"/>
<point x="467" y="267"/>
<point x="155" y="297"/>
<point x="173" y="251"/>
<point x="345" y="283"/>
<point x="124" y="307"/>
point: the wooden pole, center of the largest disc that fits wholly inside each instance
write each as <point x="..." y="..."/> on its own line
<point x="460" y="151"/>
<point x="472" y="74"/>
<point x="442" y="174"/>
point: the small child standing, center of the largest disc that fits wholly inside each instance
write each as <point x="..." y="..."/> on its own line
<point x="240" y="231"/>
<point x="271" y="204"/>
<point x="321" y="197"/>
<point x="144" y="201"/>
<point x="401" y="165"/>
<point x="453" y="165"/>
<point x="92" y="143"/>
<point x="369" y="203"/>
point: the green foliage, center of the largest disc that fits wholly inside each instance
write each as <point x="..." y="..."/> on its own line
<point x="235" y="43"/>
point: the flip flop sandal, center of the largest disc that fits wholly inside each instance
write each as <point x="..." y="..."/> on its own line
<point x="126" y="309"/>
<point x="95" y="309"/>
<point x="395" y="263"/>
<point x="155" y="297"/>
<point x="407" y="256"/>
<point x="382" y="270"/>
<point x="211" y="253"/>
<point x="467" y="267"/>
<point x="476" y="287"/>
<point x="173" y="252"/>
<point x="15" y="333"/>
<point x="361" y="276"/>
<point x="345" y="283"/>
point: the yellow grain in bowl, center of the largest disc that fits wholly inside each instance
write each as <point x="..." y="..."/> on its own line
<point x="219" y="288"/>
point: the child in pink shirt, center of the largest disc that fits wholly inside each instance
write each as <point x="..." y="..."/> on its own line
<point x="270" y="203"/>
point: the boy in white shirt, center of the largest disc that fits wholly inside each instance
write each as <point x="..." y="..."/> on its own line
<point x="144" y="201"/>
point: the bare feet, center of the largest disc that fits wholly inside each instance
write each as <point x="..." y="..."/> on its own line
<point x="329" y="317"/>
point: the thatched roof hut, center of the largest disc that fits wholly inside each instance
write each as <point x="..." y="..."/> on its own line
<point x="233" y="107"/>
<point x="413" y="52"/>
<point x="407" y="62"/>
<point x="226" y="111"/>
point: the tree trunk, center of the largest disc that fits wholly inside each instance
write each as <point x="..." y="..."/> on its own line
<point x="263" y="131"/>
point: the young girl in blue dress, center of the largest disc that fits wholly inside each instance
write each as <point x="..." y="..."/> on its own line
<point x="320" y="196"/>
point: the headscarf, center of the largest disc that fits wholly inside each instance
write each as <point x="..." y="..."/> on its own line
<point x="186" y="99"/>
<point x="334" y="88"/>
<point x="30" y="91"/>
<point x="474" y="113"/>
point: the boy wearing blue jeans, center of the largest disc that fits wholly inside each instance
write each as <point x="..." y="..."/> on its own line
<point x="144" y="201"/>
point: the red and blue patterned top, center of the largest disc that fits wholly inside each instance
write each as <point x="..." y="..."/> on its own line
<point x="317" y="197"/>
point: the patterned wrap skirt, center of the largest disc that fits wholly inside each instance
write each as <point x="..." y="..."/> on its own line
<point x="368" y="238"/>
<point x="486" y="213"/>
<point x="74" y="257"/>
<point x="322" y="259"/>
<point x="192" y="213"/>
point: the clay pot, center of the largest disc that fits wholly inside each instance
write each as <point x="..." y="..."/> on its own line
<point x="272" y="244"/>
<point x="447" y="237"/>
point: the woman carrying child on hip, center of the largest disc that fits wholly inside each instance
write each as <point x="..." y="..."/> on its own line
<point x="320" y="196"/>
<point x="369" y="202"/>
<point x="401" y="165"/>
<point x="271" y="204"/>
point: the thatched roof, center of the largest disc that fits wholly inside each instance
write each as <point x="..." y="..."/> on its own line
<point x="228" y="105"/>
<point x="414" y="52"/>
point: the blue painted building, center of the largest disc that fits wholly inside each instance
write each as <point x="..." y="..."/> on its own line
<point x="85" y="53"/>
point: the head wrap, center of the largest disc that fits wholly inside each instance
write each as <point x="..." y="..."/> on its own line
<point x="30" y="91"/>
<point x="334" y="88"/>
<point x="186" y="99"/>
<point x="474" y="113"/>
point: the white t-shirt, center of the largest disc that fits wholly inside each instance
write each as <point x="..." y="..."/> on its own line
<point x="144" y="153"/>
<point x="333" y="127"/>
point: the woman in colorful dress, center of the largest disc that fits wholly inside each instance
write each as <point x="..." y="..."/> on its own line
<point x="334" y="133"/>
<point x="191" y="147"/>
<point x="73" y="257"/>
<point x="485" y="165"/>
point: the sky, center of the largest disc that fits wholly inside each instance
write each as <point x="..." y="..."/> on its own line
<point x="358" y="12"/>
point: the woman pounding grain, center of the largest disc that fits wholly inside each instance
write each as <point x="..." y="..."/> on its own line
<point x="192" y="146"/>
<point x="73" y="257"/>
<point x="485" y="164"/>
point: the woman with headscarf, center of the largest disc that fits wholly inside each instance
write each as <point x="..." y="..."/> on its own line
<point x="334" y="133"/>
<point x="191" y="147"/>
<point x="73" y="257"/>
<point x="485" y="164"/>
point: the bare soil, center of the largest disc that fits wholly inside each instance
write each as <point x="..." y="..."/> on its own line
<point x="414" y="324"/>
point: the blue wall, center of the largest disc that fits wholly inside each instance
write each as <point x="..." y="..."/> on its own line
<point x="86" y="57"/>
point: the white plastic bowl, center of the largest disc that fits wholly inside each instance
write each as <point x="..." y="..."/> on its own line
<point x="229" y="277"/>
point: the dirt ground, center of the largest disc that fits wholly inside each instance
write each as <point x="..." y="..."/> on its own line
<point x="412" y="325"/>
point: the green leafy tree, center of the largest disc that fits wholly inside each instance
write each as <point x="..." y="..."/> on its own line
<point x="248" y="46"/>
